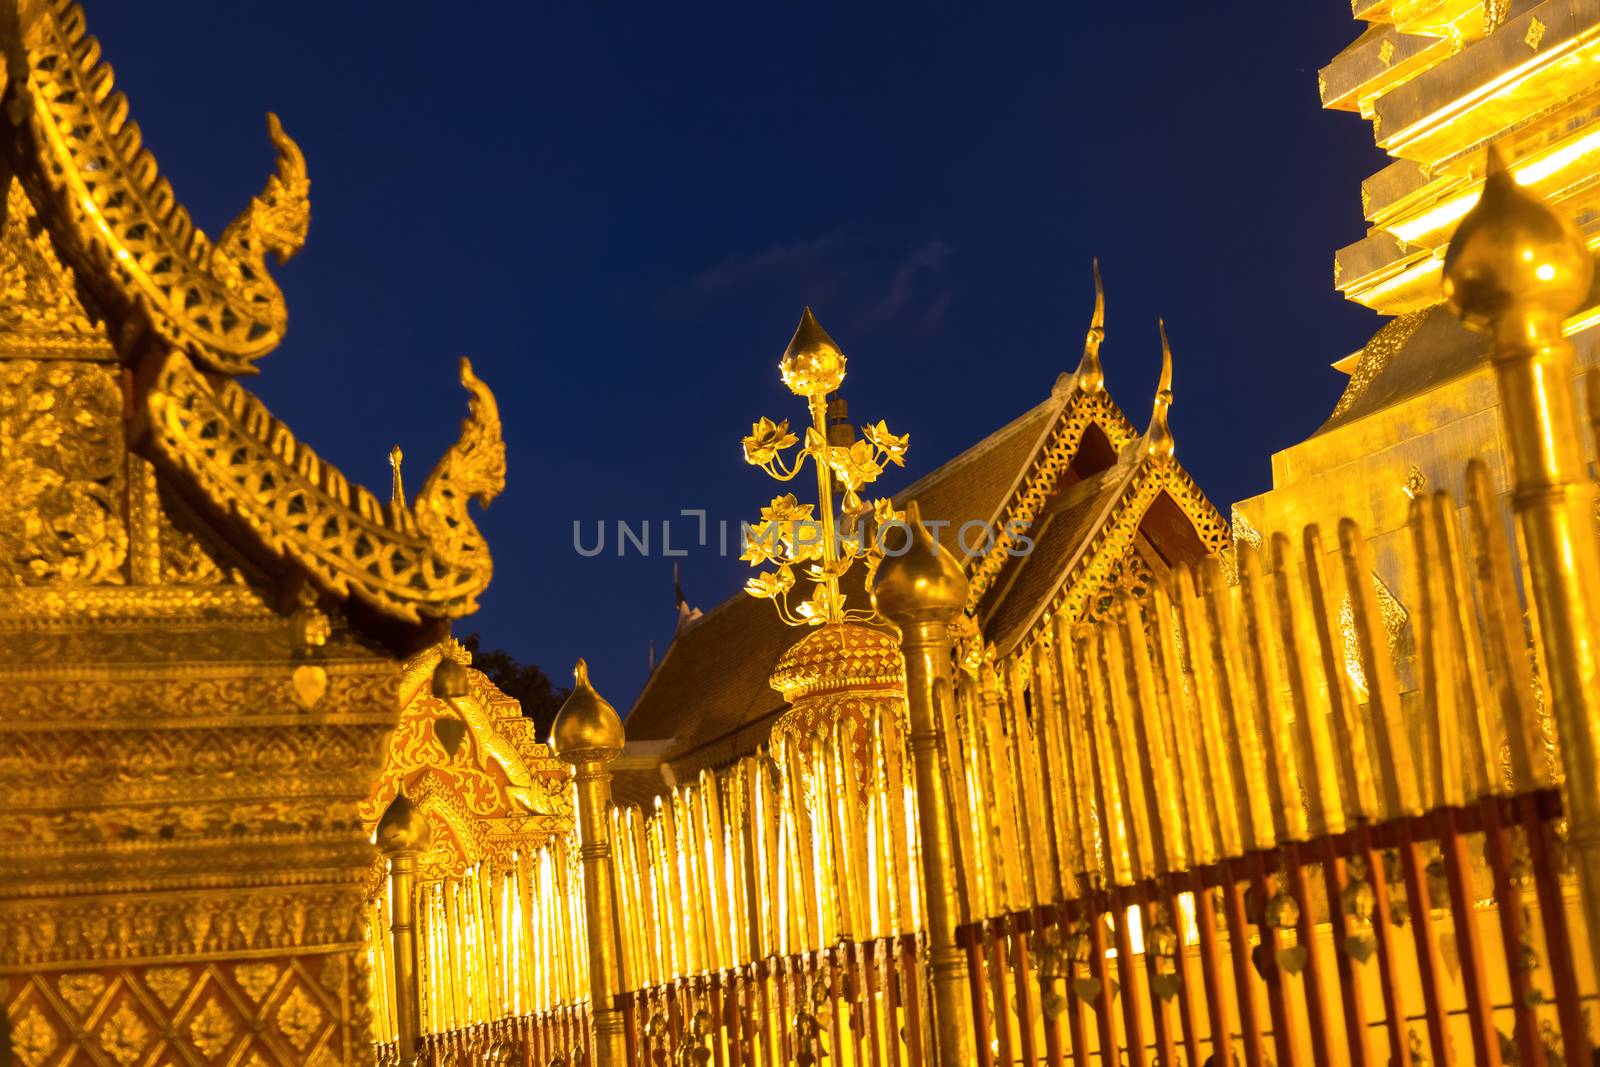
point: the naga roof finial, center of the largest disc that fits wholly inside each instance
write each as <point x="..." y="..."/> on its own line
<point x="1158" y="440"/>
<point x="1091" y="377"/>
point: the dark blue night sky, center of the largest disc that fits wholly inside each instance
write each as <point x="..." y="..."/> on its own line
<point x="618" y="212"/>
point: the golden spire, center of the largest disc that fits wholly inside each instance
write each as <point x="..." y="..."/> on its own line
<point x="1158" y="440"/>
<point x="1513" y="257"/>
<point x="791" y="533"/>
<point x="397" y="488"/>
<point x="1091" y="377"/>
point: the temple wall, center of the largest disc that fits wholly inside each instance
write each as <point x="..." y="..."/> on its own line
<point x="186" y="746"/>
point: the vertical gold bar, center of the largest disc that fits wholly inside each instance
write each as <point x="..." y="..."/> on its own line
<point x="1239" y="717"/>
<point x="1277" y="714"/>
<point x="1507" y="642"/>
<point x="1029" y="746"/>
<point x="1351" y="744"/>
<point x="1481" y="768"/>
<point x="1308" y="695"/>
<point x="588" y="734"/>
<point x="1119" y="712"/>
<point x="1217" y="770"/>
<point x="1441" y="746"/>
<point x="1083" y="856"/>
<point x="1050" y="723"/>
<point x="402" y="836"/>
<point x="922" y="590"/>
<point x="1115" y="831"/>
<point x="1149" y="719"/>
<point x="1179" y="722"/>
<point x="1391" y="741"/>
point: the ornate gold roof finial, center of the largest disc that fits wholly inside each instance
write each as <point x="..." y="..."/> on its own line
<point x="1512" y="253"/>
<point x="587" y="728"/>
<point x="1091" y="376"/>
<point x="1158" y="440"/>
<point x="397" y="487"/>
<point x="791" y="534"/>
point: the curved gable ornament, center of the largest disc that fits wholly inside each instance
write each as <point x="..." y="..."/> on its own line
<point x="431" y="561"/>
<point x="214" y="301"/>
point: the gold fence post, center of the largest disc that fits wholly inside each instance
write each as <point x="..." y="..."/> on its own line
<point x="922" y="590"/>
<point x="588" y="734"/>
<point x="402" y="836"/>
<point x="1515" y="270"/>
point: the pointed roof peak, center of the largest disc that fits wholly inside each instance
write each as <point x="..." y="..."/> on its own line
<point x="1158" y="441"/>
<point x="1091" y="376"/>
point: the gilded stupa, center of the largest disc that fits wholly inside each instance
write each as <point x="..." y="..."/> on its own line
<point x="1440" y="80"/>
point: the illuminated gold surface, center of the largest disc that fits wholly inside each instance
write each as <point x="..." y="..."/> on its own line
<point x="429" y="559"/>
<point x="792" y="534"/>
<point x="215" y="301"/>
<point x="922" y="590"/>
<point x="588" y="735"/>
<point x="1516" y="269"/>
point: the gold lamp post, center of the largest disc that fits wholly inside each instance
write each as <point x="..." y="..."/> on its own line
<point x="588" y="734"/>
<point x="1515" y="270"/>
<point x="922" y="590"/>
<point x="403" y="835"/>
<point x="846" y="670"/>
<point x="793" y="535"/>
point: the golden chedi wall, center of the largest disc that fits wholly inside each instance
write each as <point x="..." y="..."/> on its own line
<point x="201" y="622"/>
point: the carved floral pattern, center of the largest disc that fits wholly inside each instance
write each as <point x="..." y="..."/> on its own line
<point x="61" y="453"/>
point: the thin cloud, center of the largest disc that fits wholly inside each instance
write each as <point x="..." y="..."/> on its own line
<point x="865" y="289"/>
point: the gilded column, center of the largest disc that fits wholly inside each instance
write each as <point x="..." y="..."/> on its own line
<point x="1515" y="270"/>
<point x="588" y="734"/>
<point x="403" y="835"/>
<point x="922" y="590"/>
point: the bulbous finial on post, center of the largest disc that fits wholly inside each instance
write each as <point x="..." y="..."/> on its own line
<point x="921" y="580"/>
<point x="587" y="728"/>
<point x="1158" y="441"/>
<point x="1091" y="376"/>
<point x="1513" y="259"/>
<point x="402" y="827"/>
<point x="812" y="365"/>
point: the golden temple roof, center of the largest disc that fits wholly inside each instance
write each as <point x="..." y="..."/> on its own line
<point x="100" y="261"/>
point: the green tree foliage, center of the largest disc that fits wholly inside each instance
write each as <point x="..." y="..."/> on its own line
<point x="532" y="688"/>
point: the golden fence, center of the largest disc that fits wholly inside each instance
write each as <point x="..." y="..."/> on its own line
<point x="770" y="911"/>
<point x="1212" y="822"/>
<point x="1207" y="827"/>
<point x="502" y="963"/>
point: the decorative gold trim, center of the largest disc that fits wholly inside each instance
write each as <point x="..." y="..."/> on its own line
<point x="216" y="302"/>
<point x="1081" y="411"/>
<point x="1114" y="541"/>
<point x="1390" y="339"/>
<point x="432" y="561"/>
